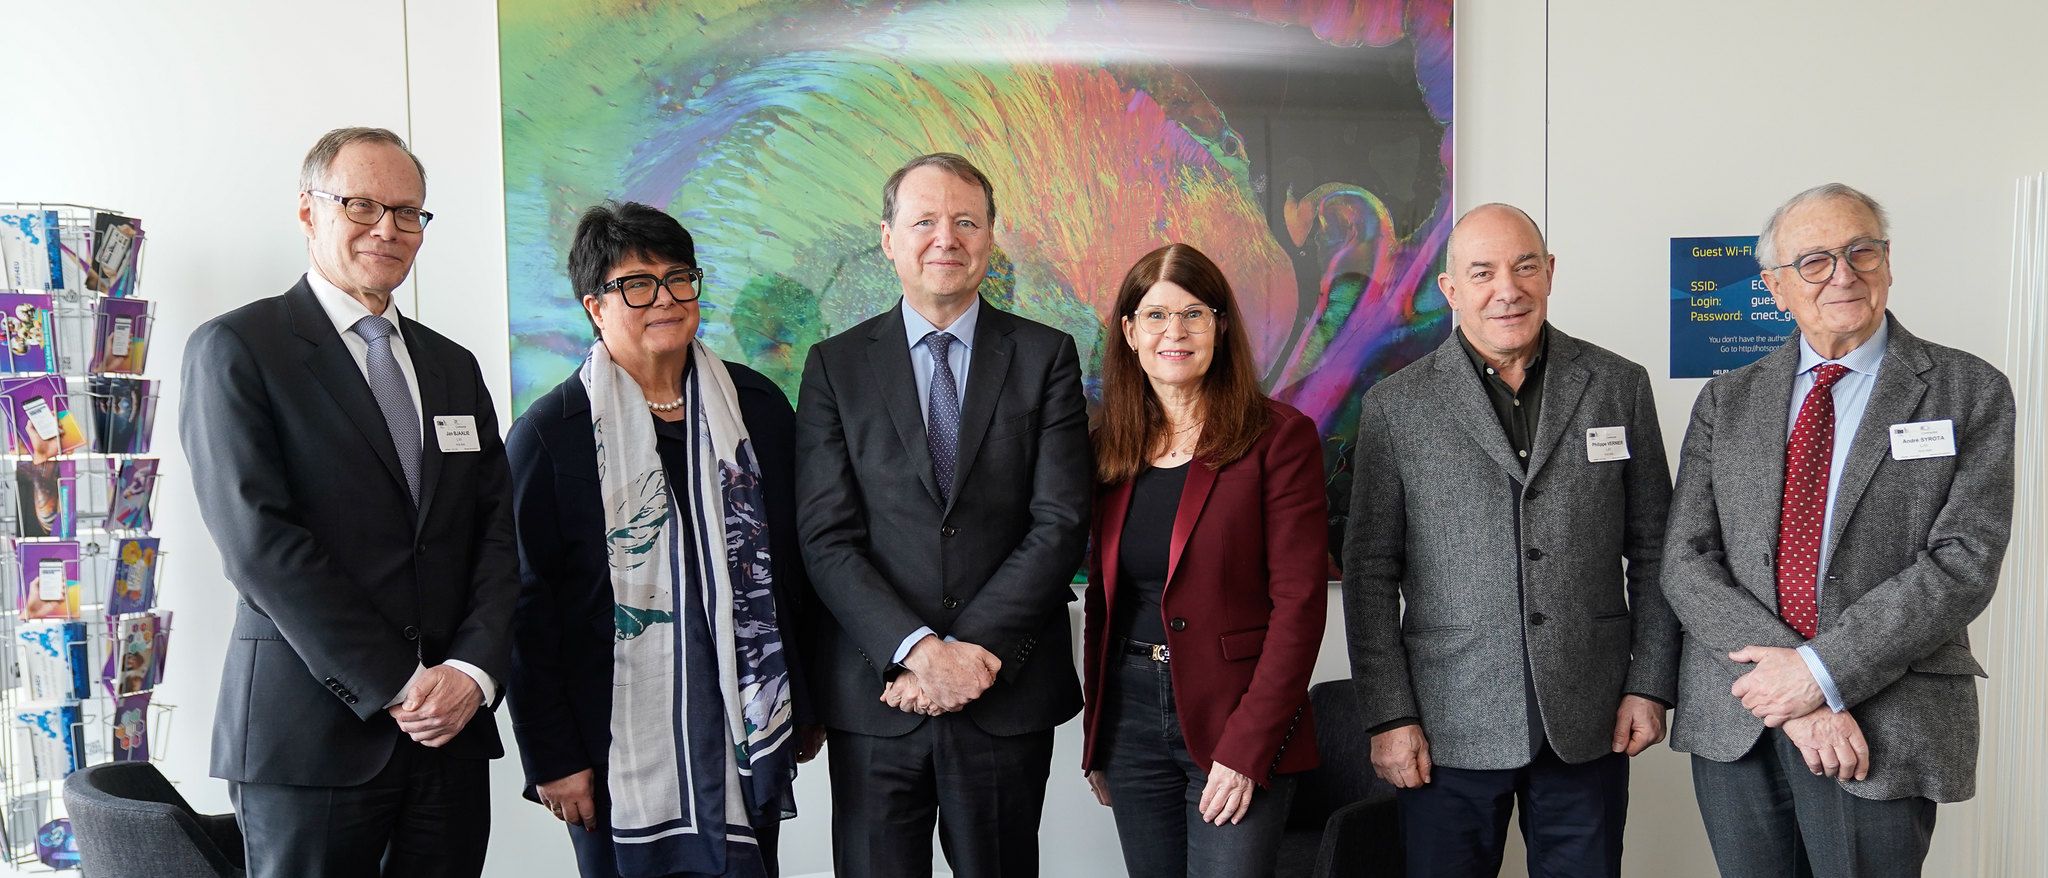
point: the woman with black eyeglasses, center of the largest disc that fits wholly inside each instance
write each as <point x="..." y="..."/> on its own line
<point x="654" y="692"/>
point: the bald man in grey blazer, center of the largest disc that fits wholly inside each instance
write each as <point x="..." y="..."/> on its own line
<point x="1500" y="574"/>
<point x="1842" y="508"/>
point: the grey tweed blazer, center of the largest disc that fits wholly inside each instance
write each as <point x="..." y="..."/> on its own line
<point x="1487" y="558"/>
<point x="1914" y="556"/>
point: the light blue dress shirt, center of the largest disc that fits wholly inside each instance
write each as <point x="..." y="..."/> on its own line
<point x="1851" y="395"/>
<point x="959" y="356"/>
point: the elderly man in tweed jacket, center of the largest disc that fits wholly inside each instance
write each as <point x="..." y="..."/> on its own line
<point x="1842" y="508"/>
<point x="1511" y="489"/>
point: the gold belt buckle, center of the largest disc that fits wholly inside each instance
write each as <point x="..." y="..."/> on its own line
<point x="1160" y="653"/>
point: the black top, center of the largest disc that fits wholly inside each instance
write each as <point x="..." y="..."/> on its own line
<point x="1142" y="558"/>
<point x="672" y="441"/>
<point x="1516" y="409"/>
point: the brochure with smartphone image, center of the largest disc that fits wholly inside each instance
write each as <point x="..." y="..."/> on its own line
<point x="43" y="424"/>
<point x="49" y="580"/>
<point x="116" y="254"/>
<point x="121" y="339"/>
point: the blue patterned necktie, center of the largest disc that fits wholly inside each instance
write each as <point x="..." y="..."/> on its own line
<point x="387" y="383"/>
<point x="942" y="421"/>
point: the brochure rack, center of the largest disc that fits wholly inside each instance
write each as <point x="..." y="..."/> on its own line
<point x="82" y="639"/>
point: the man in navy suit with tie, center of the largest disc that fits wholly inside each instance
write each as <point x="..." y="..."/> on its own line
<point x="348" y="465"/>
<point x="943" y="488"/>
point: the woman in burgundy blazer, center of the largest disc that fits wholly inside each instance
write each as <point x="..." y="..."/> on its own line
<point x="1207" y="587"/>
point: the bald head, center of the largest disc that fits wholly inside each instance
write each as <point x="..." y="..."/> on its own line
<point x="1492" y="219"/>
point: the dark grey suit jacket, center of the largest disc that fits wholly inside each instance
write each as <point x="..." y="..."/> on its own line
<point x="344" y="589"/>
<point x="1488" y="558"/>
<point x="993" y="567"/>
<point x="1914" y="555"/>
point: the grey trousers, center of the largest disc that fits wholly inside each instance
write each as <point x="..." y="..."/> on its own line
<point x="1768" y="816"/>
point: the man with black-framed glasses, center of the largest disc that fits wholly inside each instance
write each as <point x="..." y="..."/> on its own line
<point x="1842" y="508"/>
<point x="348" y="465"/>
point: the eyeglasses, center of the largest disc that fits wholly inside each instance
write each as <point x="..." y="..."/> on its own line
<point x="1819" y="268"/>
<point x="640" y="290"/>
<point x="364" y="211"/>
<point x="1196" y="319"/>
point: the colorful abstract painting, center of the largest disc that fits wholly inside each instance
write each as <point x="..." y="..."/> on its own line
<point x="1305" y="146"/>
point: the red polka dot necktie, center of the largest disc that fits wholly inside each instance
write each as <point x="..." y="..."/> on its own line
<point x="1809" y="455"/>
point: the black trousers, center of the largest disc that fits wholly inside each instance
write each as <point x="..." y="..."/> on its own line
<point x="984" y="791"/>
<point x="1155" y="788"/>
<point x="425" y="815"/>
<point x="1572" y="817"/>
<point x="1769" y="816"/>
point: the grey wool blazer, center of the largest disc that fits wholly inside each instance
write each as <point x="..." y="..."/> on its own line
<point x="1487" y="558"/>
<point x="1914" y="555"/>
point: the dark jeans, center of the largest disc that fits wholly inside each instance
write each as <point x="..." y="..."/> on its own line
<point x="425" y="814"/>
<point x="1768" y="816"/>
<point x="1155" y="788"/>
<point x="1572" y="818"/>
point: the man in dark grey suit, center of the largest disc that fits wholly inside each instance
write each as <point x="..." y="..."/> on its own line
<point x="1842" y="508"/>
<point x="1500" y="484"/>
<point x="943" y="486"/>
<point x="347" y="462"/>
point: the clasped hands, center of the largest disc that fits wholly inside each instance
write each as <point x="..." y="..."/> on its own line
<point x="437" y="705"/>
<point x="1781" y="691"/>
<point x="941" y="677"/>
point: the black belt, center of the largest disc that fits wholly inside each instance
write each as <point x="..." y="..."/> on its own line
<point x="1153" y="651"/>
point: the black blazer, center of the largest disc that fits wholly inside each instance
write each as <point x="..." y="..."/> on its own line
<point x="561" y="683"/>
<point x="993" y="567"/>
<point x="344" y="589"/>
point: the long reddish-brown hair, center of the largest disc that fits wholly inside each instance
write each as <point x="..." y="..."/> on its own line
<point x="1131" y="424"/>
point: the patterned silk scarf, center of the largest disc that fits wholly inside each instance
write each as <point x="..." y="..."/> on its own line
<point x="702" y="731"/>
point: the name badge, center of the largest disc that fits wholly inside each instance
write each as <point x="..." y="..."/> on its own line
<point x="457" y="433"/>
<point x="1924" y="439"/>
<point x="1606" y="443"/>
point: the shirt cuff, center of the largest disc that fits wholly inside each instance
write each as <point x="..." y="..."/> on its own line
<point x="1393" y="724"/>
<point x="1821" y="676"/>
<point x="1661" y="702"/>
<point x="903" y="652"/>
<point x="399" y="699"/>
<point x="483" y="680"/>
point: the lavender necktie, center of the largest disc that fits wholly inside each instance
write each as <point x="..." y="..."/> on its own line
<point x="942" y="419"/>
<point x="387" y="384"/>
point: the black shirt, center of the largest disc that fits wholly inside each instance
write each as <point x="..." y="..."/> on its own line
<point x="1516" y="409"/>
<point x="1142" y="557"/>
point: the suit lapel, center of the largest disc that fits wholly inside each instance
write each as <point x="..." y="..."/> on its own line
<point x="336" y="370"/>
<point x="1109" y="547"/>
<point x="889" y="366"/>
<point x="1469" y="408"/>
<point x="1892" y="400"/>
<point x="988" y="370"/>
<point x="1757" y="439"/>
<point x="1564" y="384"/>
<point x="1193" y="496"/>
<point x="433" y="400"/>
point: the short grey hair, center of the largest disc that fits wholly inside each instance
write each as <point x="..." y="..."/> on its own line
<point x="952" y="163"/>
<point x="1767" y="243"/>
<point x="320" y="159"/>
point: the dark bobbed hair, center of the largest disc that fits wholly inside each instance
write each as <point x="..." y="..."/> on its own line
<point x="613" y="232"/>
<point x="1130" y="426"/>
<point x="952" y="163"/>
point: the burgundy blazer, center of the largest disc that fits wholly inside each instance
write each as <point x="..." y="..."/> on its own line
<point x="1246" y="590"/>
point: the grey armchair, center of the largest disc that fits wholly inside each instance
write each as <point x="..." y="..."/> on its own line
<point x="132" y="823"/>
<point x="1343" y="821"/>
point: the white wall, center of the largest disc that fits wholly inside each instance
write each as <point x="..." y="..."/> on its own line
<point x="1662" y="120"/>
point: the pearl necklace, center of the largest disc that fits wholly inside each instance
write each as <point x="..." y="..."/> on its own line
<point x="666" y="406"/>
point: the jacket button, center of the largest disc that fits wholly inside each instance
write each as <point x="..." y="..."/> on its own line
<point x="1178" y="624"/>
<point x="950" y="602"/>
<point x="1529" y="495"/>
<point x="412" y="633"/>
<point x="1535" y="554"/>
<point x="948" y="531"/>
<point x="1536" y="618"/>
<point x="422" y="548"/>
